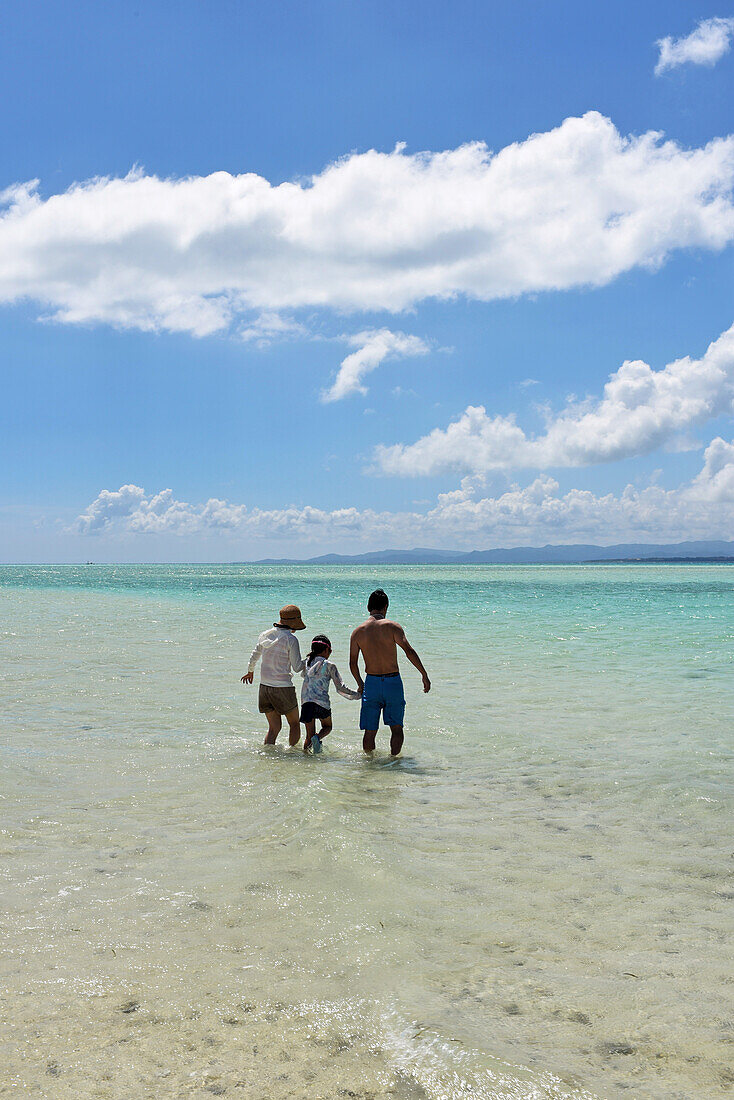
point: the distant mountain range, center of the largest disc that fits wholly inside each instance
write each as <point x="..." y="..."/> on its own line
<point x="528" y="555"/>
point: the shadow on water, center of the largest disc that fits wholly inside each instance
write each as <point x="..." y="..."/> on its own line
<point x="284" y="755"/>
<point x="408" y="764"/>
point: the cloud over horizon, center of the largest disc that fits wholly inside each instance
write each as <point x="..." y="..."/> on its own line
<point x="572" y="207"/>
<point x="522" y="514"/>
<point x="706" y="45"/>
<point x="640" y="410"/>
<point x="373" y="347"/>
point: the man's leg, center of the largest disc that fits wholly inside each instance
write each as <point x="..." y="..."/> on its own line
<point x="396" y="740"/>
<point x="294" y="733"/>
<point x="395" y="712"/>
<point x="369" y="713"/>
<point x="274" y="724"/>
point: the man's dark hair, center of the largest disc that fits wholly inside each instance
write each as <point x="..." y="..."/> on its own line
<point x="378" y="601"/>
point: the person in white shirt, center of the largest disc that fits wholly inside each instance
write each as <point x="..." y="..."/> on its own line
<point x="318" y="674"/>
<point x="281" y="655"/>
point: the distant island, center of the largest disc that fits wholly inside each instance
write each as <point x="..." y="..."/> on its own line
<point x="712" y="552"/>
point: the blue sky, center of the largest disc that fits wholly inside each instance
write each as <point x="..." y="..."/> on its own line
<point x="150" y="339"/>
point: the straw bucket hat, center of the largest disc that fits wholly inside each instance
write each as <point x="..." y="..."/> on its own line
<point x="290" y="616"/>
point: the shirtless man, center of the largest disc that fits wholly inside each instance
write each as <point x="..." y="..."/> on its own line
<point x="382" y="689"/>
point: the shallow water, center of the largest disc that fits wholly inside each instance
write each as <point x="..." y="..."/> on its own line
<point x="536" y="901"/>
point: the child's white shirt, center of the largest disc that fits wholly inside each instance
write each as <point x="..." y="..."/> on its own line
<point x="316" y="680"/>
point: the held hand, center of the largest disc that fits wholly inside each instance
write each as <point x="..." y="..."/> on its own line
<point x="247" y="678"/>
<point x="426" y="684"/>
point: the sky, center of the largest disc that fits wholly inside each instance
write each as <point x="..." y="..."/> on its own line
<point x="281" y="279"/>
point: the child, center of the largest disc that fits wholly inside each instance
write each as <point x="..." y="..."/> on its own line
<point x="317" y="672"/>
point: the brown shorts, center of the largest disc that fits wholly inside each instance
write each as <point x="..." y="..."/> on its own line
<point x="281" y="700"/>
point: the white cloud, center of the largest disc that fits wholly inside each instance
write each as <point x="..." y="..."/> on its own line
<point x="373" y="347"/>
<point x="640" y="410"/>
<point x="269" y="327"/>
<point x="704" y="508"/>
<point x="575" y="206"/>
<point x="109" y="506"/>
<point x="158" y="514"/>
<point x="704" y="46"/>
<point x="715" y="483"/>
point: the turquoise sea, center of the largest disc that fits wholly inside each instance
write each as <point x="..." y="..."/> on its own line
<point x="535" y="901"/>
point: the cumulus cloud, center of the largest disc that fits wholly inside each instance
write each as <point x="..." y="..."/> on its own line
<point x="703" y="508"/>
<point x="158" y="514"/>
<point x="270" y="327"/>
<point x="715" y="483"/>
<point x="109" y="506"/>
<point x="373" y="347"/>
<point x="640" y="410"/>
<point x="704" y="46"/>
<point x="575" y="206"/>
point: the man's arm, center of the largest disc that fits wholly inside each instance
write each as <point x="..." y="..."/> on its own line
<point x="354" y="661"/>
<point x="411" y="654"/>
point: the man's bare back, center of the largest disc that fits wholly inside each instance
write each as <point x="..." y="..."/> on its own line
<point x="377" y="641"/>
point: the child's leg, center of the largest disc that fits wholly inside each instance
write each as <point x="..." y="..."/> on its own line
<point x="325" y="728"/>
<point x="310" y="729"/>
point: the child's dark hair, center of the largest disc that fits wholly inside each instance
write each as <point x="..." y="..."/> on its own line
<point x="319" y="646"/>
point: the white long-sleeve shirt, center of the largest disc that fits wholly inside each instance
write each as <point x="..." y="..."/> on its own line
<point x="316" y="680"/>
<point x="280" y="653"/>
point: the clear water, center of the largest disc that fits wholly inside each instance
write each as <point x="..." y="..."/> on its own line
<point x="537" y="901"/>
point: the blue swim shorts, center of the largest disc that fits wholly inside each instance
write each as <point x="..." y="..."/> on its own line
<point x="382" y="694"/>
